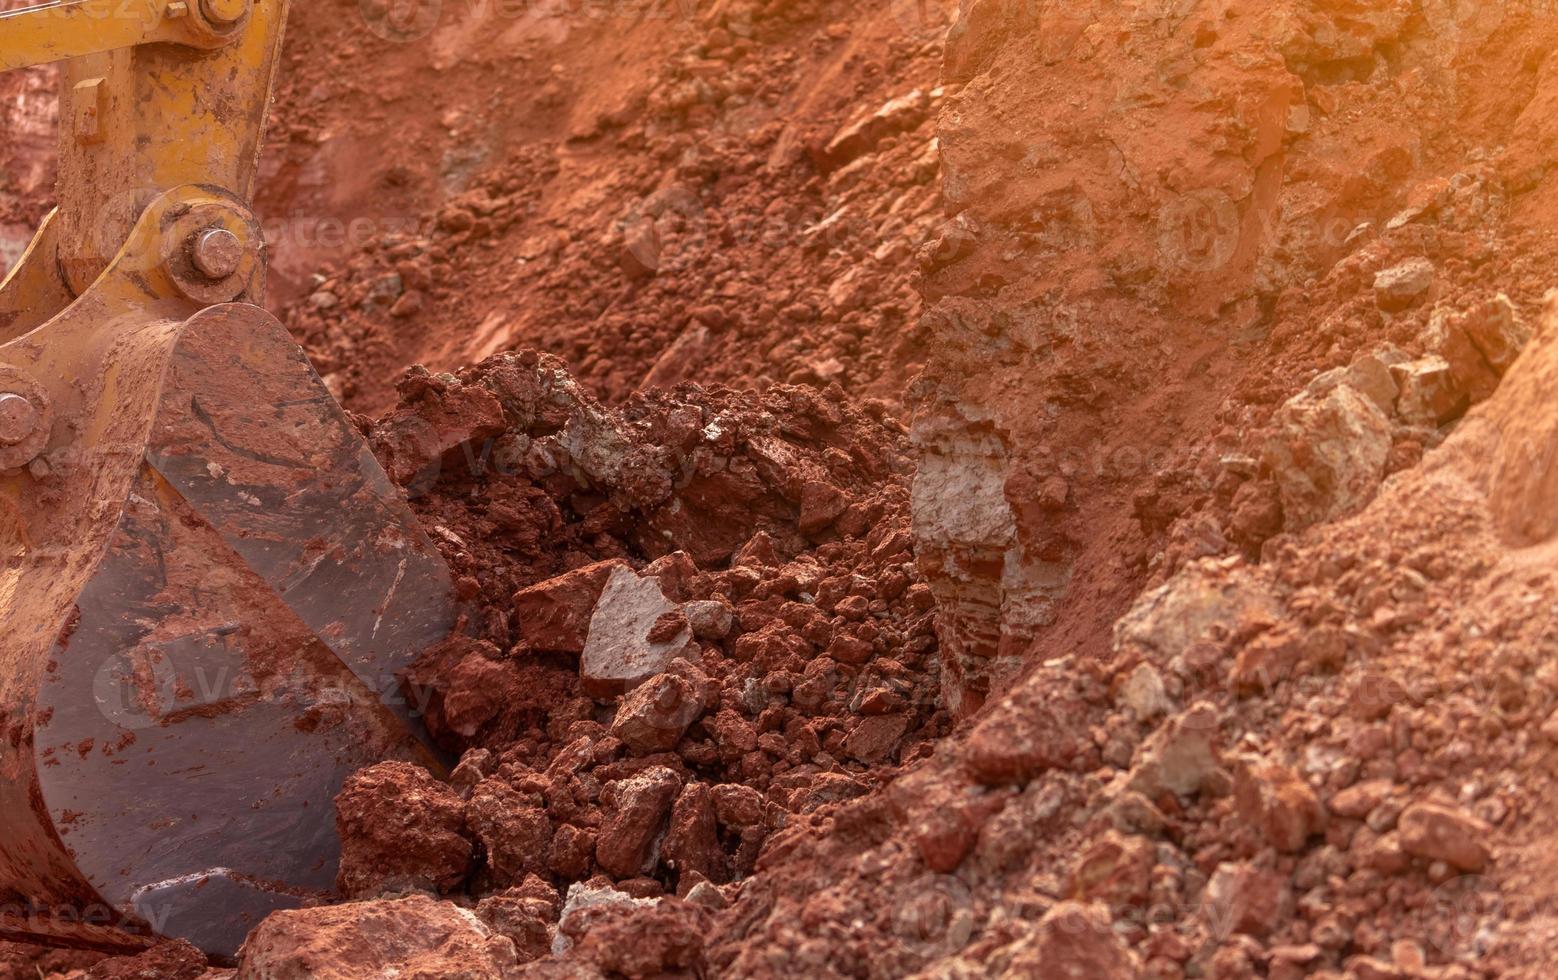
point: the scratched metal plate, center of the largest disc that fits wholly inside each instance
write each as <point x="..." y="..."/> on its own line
<point x="232" y="652"/>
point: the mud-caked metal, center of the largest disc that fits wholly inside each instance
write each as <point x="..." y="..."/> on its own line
<point x="209" y="589"/>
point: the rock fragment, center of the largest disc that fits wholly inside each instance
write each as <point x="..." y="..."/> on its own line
<point x="1428" y="395"/>
<point x="524" y="914"/>
<point x="512" y="827"/>
<point x="619" y="652"/>
<point x="654" y="716"/>
<point x="439" y="415"/>
<point x="710" y="619"/>
<point x="1020" y="738"/>
<point x="476" y="690"/>
<point x="738" y="806"/>
<point x="555" y="614"/>
<point x="1241" y="898"/>
<point x="1369" y="373"/>
<point x="639" y="255"/>
<point x="407" y="937"/>
<point x="663" y="938"/>
<point x="1144" y="694"/>
<point x="1279" y="803"/>
<point x="875" y="737"/>
<point x="1181" y="757"/>
<point x="1383" y="853"/>
<point x="822" y="503"/>
<point x="475" y="765"/>
<point x="1074" y="941"/>
<point x="169" y="959"/>
<point x="862" y="135"/>
<point x="583" y="896"/>
<point x="640" y="806"/>
<point x="1283" y="651"/>
<point x="400" y="828"/>
<point x="692" y="843"/>
<point x="1293" y="962"/>
<point x="1498" y="333"/>
<point x="1328" y="454"/>
<point x="1440" y="833"/>
<point x="1359" y="800"/>
<point x="1115" y="870"/>
<point x="571" y="851"/>
<point x="1205" y="597"/>
<point x="1402" y="285"/>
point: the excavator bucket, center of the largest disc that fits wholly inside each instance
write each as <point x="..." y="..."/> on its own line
<point x="209" y="589"/>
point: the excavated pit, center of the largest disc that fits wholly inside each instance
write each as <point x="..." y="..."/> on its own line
<point x="1035" y="489"/>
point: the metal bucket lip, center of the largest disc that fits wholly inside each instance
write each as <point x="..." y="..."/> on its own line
<point x="164" y="494"/>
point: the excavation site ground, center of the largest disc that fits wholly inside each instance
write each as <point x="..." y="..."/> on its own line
<point x="1027" y="488"/>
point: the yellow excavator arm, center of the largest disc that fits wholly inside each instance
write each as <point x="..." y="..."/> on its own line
<point x="50" y="32"/>
<point x="209" y="589"/>
<point x="140" y="113"/>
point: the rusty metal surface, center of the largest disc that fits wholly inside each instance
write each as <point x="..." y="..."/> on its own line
<point x="33" y="291"/>
<point x="140" y="121"/>
<point x="209" y="588"/>
<point x="291" y="487"/>
<point x="55" y="30"/>
<point x="192" y="729"/>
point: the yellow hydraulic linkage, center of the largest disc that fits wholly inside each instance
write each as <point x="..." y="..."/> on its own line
<point x="209" y="589"/>
<point x="63" y="29"/>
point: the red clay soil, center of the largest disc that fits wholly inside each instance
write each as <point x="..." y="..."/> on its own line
<point x="653" y="195"/>
<point x="1070" y="500"/>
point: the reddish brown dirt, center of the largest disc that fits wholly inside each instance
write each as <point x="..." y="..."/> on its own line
<point x="639" y="196"/>
<point x="1019" y="460"/>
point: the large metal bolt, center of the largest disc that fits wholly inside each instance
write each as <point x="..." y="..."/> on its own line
<point x="224" y="13"/>
<point x="217" y="253"/>
<point x="18" y="419"/>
